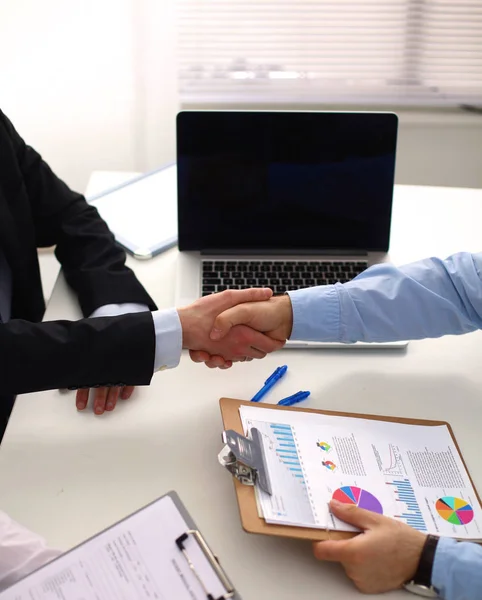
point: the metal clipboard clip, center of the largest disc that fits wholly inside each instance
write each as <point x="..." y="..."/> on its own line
<point x="246" y="458"/>
<point x="213" y="561"/>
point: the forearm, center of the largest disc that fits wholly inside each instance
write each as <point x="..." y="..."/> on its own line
<point x="457" y="570"/>
<point x="21" y="551"/>
<point x="429" y="298"/>
<point x="85" y="353"/>
<point x="93" y="263"/>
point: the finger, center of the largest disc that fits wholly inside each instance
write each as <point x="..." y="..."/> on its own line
<point x="81" y="399"/>
<point x="215" y="365"/>
<point x="333" y="551"/>
<point x="230" y="298"/>
<point x="112" y="397"/>
<point x="359" y="517"/>
<point x="127" y="391"/>
<point x="247" y="342"/>
<point x="100" y="397"/>
<point x="220" y="363"/>
<point x="264" y="343"/>
<point x="199" y="356"/>
<point x="255" y="353"/>
<point x="216" y="362"/>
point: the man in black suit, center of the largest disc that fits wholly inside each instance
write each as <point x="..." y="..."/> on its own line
<point x="37" y="209"/>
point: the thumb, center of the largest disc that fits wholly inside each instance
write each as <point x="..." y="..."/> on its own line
<point x="232" y="298"/>
<point x="238" y="315"/>
<point x="351" y="514"/>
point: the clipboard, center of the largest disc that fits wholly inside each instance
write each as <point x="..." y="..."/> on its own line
<point x="245" y="494"/>
<point x="64" y="569"/>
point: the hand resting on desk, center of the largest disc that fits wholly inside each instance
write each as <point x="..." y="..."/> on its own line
<point x="105" y="398"/>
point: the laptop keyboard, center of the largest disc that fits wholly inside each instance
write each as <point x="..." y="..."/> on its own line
<point x="279" y="275"/>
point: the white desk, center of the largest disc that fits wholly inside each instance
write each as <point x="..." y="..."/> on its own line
<point x="67" y="475"/>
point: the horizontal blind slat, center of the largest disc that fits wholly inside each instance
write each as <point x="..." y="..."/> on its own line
<point x="273" y="50"/>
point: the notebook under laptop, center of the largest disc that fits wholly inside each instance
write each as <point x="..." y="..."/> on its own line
<point x="282" y="199"/>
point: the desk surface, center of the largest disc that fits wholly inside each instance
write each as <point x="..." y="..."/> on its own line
<point x="67" y="474"/>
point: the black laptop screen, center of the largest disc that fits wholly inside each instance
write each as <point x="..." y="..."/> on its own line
<point x="285" y="180"/>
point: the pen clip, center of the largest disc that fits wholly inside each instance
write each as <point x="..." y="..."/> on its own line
<point x="294" y="399"/>
<point x="273" y="375"/>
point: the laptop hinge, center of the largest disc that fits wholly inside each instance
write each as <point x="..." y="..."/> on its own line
<point x="289" y="251"/>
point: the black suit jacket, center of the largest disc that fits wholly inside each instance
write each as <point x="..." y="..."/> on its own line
<point x="37" y="209"/>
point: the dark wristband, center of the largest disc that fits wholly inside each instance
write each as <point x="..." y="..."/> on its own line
<point x="423" y="575"/>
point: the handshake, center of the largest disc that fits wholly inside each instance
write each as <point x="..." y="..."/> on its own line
<point x="231" y="326"/>
<point x="235" y="326"/>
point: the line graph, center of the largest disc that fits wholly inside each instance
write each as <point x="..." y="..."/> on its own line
<point x="395" y="464"/>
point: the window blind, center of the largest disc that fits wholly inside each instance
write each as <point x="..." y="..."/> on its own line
<point x="418" y="52"/>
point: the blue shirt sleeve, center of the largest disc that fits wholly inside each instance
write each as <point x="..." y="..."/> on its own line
<point x="457" y="570"/>
<point x="428" y="298"/>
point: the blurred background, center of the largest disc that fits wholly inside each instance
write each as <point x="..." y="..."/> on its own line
<point x="96" y="85"/>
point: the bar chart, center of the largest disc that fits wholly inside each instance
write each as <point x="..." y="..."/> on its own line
<point x="408" y="509"/>
<point x="290" y="499"/>
<point x="286" y="450"/>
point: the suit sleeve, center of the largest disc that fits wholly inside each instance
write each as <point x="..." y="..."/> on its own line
<point x="76" y="354"/>
<point x="93" y="263"/>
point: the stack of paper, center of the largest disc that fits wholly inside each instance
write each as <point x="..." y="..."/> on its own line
<point x="142" y="214"/>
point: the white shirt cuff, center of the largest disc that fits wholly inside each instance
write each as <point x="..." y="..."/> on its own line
<point x="167" y="327"/>
<point x="112" y="310"/>
<point x="316" y="314"/>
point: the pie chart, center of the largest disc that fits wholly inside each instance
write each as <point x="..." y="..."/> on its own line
<point x="454" y="510"/>
<point x="350" y="494"/>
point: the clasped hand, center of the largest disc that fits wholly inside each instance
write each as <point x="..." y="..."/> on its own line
<point x="220" y="329"/>
<point x="271" y="319"/>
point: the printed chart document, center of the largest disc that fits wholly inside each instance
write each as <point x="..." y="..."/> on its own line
<point x="135" y="559"/>
<point x="412" y="473"/>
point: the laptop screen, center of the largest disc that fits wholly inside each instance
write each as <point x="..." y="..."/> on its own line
<point x="306" y="181"/>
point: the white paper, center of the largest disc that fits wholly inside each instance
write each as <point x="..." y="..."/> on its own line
<point x="143" y="214"/>
<point x="135" y="559"/>
<point x="412" y="473"/>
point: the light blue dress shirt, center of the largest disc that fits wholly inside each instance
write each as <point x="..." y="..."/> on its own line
<point x="429" y="298"/>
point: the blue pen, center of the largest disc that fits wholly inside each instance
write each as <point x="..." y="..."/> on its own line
<point x="294" y="399"/>
<point x="269" y="383"/>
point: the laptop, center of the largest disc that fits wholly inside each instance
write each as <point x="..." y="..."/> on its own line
<point x="286" y="200"/>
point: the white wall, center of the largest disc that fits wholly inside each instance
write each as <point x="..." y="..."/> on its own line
<point x="444" y="148"/>
<point x="92" y="85"/>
